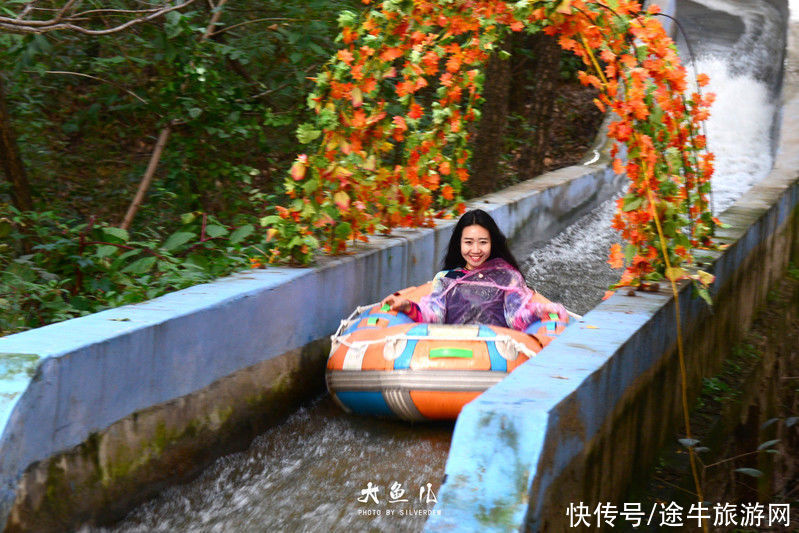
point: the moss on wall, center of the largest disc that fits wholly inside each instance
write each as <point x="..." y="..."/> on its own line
<point x="130" y="461"/>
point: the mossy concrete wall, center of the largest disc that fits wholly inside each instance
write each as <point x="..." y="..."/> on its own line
<point x="581" y="420"/>
<point x="102" y="410"/>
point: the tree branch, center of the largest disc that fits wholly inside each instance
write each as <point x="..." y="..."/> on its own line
<point x="148" y="177"/>
<point x="64" y="20"/>
<point x="139" y="98"/>
<point x="163" y="136"/>
<point x="268" y="19"/>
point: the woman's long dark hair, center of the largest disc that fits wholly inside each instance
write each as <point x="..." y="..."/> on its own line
<point x="499" y="243"/>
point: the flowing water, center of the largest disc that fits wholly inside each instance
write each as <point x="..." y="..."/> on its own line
<point x="743" y="61"/>
<point x="309" y="473"/>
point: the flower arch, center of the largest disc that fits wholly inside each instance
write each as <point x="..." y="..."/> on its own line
<point x="389" y="145"/>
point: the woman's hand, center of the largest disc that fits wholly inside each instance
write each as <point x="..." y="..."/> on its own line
<point x="543" y="310"/>
<point x="397" y="303"/>
<point x="557" y="309"/>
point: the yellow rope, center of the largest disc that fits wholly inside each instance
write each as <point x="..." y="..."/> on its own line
<point x="680" y="351"/>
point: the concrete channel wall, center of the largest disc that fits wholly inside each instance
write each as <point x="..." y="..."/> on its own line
<point x="98" y="412"/>
<point x="580" y="421"/>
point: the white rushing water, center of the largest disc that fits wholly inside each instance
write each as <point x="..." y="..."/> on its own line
<point x="738" y="131"/>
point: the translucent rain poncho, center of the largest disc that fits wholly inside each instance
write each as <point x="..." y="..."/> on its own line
<point x="495" y="294"/>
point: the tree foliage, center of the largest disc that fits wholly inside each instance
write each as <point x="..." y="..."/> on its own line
<point x="87" y="110"/>
<point x="386" y="130"/>
<point x="395" y="107"/>
<point x="77" y="269"/>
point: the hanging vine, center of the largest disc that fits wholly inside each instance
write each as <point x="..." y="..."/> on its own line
<point x="389" y="145"/>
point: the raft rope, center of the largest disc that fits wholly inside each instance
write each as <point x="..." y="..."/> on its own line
<point x="353" y="318"/>
<point x="350" y="320"/>
<point x="513" y="343"/>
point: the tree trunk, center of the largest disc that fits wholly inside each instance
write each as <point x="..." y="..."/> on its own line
<point x="537" y="78"/>
<point x="155" y="157"/>
<point x="147" y="179"/>
<point x="488" y="144"/>
<point x="12" y="167"/>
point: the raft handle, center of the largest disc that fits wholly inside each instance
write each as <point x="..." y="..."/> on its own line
<point x="463" y="353"/>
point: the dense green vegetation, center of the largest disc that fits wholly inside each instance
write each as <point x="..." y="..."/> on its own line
<point x="86" y="112"/>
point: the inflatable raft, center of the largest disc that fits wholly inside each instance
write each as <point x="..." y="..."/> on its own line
<point x="383" y="363"/>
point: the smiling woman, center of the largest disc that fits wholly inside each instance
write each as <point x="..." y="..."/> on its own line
<point x="479" y="284"/>
<point x="475" y="246"/>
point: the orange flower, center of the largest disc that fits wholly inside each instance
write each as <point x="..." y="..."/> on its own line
<point x="345" y="56"/>
<point x="616" y="259"/>
<point x="447" y="192"/>
<point x="348" y="35"/>
<point x="298" y="168"/>
<point x="390" y="54"/>
<point x="420" y="42"/>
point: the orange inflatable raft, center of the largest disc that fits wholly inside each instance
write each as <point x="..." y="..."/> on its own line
<point x="382" y="363"/>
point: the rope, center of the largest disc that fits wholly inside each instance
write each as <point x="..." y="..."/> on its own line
<point x="519" y="346"/>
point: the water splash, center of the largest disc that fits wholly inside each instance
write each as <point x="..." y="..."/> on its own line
<point x="307" y="475"/>
<point x="738" y="131"/>
<point x="572" y="268"/>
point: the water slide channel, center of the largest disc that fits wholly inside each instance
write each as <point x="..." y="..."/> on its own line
<point x="307" y="473"/>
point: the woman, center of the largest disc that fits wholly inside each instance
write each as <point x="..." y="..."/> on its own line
<point x="480" y="284"/>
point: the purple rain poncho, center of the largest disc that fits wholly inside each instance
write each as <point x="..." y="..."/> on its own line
<point x="494" y="294"/>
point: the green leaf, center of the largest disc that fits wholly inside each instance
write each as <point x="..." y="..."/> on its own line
<point x="768" y="444"/>
<point x="675" y="273"/>
<point x="119" y="261"/>
<point x="343" y="230"/>
<point x="346" y="18"/>
<point x="115" y="232"/>
<point x="791" y="421"/>
<point x="239" y="234"/>
<point x="215" y="231"/>
<point x="705" y="295"/>
<point x="629" y="252"/>
<point x="140" y="266"/>
<point x="754" y="472"/>
<point x="177" y="239"/>
<point x="105" y="250"/>
<point x="5" y="228"/>
<point x="197" y="260"/>
<point x="632" y="203"/>
<point x="307" y="133"/>
<point x="195" y="112"/>
<point x="269" y="220"/>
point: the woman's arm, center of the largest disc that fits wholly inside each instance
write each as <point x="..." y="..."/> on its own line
<point x="520" y="308"/>
<point x="431" y="308"/>
<point x="403" y="305"/>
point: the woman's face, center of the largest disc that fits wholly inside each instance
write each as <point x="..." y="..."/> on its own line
<point x="475" y="245"/>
